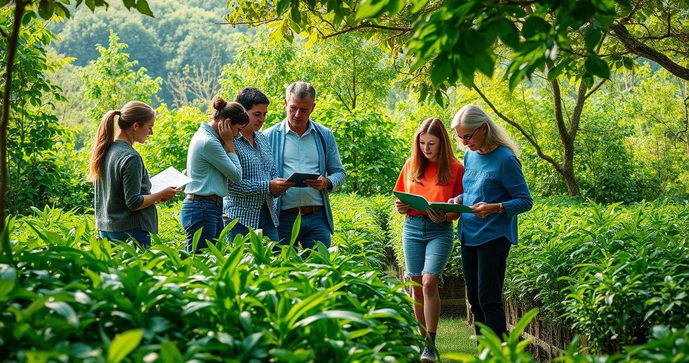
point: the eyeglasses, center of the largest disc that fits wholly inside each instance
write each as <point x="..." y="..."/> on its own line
<point x="467" y="138"/>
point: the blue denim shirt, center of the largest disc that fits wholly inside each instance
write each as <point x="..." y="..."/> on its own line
<point x="247" y="197"/>
<point x="495" y="177"/>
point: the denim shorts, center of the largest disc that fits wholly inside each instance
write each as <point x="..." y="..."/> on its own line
<point x="427" y="245"/>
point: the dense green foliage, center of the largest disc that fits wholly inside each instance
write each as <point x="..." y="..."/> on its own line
<point x="618" y="273"/>
<point x="666" y="345"/>
<point x="610" y="272"/>
<point x="182" y="33"/>
<point x="74" y="296"/>
<point x="41" y="165"/>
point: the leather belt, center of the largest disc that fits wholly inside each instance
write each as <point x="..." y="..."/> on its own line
<point x="303" y="210"/>
<point x="214" y="198"/>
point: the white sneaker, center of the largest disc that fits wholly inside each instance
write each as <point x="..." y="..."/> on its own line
<point x="427" y="356"/>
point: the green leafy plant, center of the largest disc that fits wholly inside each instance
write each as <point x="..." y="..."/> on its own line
<point x="81" y="298"/>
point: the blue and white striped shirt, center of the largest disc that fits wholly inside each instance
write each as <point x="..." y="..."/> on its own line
<point x="247" y="197"/>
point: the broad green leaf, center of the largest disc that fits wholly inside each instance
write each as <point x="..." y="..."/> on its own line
<point x="123" y="344"/>
<point x="195" y="241"/>
<point x="440" y="71"/>
<point x="142" y="6"/>
<point x="554" y="72"/>
<point x="214" y="250"/>
<point x="195" y="306"/>
<point x="534" y="26"/>
<point x="592" y="37"/>
<point x="6" y="286"/>
<point x="394" y="7"/>
<point x="370" y="9"/>
<point x="508" y="33"/>
<point x="169" y="353"/>
<point x="417" y="5"/>
<point x="597" y="66"/>
<point x="485" y="63"/>
<point x="46" y="9"/>
<point x="334" y="314"/>
<point x="65" y="310"/>
<point x="281" y="6"/>
<point x="295" y="230"/>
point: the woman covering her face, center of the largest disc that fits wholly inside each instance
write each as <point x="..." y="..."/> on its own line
<point x="211" y="162"/>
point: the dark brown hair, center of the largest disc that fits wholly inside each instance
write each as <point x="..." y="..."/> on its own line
<point x="229" y="110"/>
<point x="133" y="112"/>
<point x="446" y="158"/>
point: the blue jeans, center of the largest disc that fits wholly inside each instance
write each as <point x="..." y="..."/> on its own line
<point x="201" y="213"/>
<point x="141" y="236"/>
<point x="265" y="223"/>
<point x="427" y="245"/>
<point x="314" y="227"/>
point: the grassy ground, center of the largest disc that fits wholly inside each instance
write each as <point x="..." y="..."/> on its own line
<point x="454" y="336"/>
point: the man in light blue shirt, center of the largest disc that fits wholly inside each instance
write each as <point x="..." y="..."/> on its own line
<point x="301" y="145"/>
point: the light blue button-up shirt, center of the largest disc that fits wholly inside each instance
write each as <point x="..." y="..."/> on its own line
<point x="209" y="165"/>
<point x="301" y="155"/>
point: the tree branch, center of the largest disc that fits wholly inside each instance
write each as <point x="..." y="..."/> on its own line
<point x="367" y="25"/>
<point x="528" y="136"/>
<point x="594" y="89"/>
<point x="635" y="46"/>
<point x="557" y="108"/>
<point x="578" y="109"/>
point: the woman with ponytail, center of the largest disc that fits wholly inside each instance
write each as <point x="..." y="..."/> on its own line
<point x="124" y="205"/>
<point x="211" y="162"/>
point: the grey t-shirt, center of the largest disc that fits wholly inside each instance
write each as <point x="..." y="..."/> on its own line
<point x="120" y="191"/>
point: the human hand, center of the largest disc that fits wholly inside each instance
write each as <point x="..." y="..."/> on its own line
<point x="482" y="209"/>
<point x="455" y="200"/>
<point x="167" y="194"/>
<point x="279" y="186"/>
<point x="401" y="207"/>
<point x="437" y="216"/>
<point x="226" y="134"/>
<point x="319" y="184"/>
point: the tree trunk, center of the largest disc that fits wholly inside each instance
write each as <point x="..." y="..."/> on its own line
<point x="11" y="53"/>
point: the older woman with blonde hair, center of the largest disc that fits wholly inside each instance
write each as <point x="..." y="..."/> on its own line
<point x="495" y="188"/>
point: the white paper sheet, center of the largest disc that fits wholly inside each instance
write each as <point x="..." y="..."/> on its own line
<point x="169" y="177"/>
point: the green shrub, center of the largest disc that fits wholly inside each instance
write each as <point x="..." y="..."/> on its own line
<point x="611" y="272"/>
<point x="69" y="296"/>
<point x="357" y="229"/>
<point x="666" y="345"/>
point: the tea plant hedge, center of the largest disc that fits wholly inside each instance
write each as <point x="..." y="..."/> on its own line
<point x="69" y="296"/>
<point x="611" y="272"/>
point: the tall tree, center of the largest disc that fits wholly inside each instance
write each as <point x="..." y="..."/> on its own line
<point x="111" y="80"/>
<point x="448" y="41"/>
<point x="29" y="9"/>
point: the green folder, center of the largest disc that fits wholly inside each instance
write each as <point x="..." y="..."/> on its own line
<point x="420" y="204"/>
